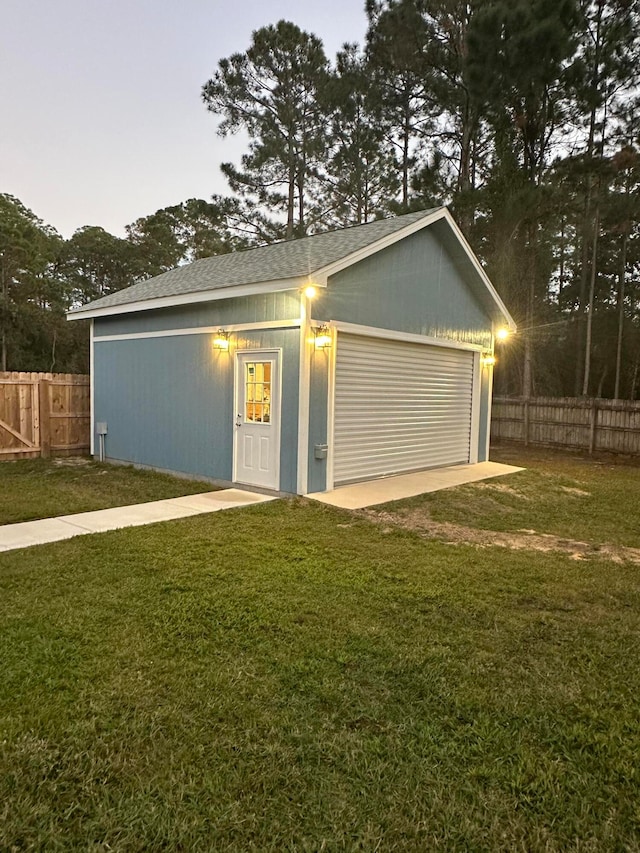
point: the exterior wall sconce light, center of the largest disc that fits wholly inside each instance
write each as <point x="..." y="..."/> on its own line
<point x="310" y="292"/>
<point x="323" y="338"/>
<point x="502" y="334"/>
<point x="488" y="360"/>
<point x="221" y="340"/>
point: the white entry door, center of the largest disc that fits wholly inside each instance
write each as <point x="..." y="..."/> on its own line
<point x="257" y="424"/>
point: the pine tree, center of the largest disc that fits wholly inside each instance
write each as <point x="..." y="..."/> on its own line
<point x="183" y="233"/>
<point x="520" y="52"/>
<point x="360" y="181"/>
<point x="272" y="92"/>
<point x="396" y="54"/>
<point x="94" y="263"/>
<point x="605" y="77"/>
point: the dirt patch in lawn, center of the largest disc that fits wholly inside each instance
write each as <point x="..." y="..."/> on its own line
<point x="418" y="521"/>
<point x="73" y="462"/>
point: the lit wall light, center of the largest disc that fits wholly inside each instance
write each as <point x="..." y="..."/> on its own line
<point x="322" y="336"/>
<point x="488" y="360"/>
<point x="502" y="334"/>
<point x="221" y="340"/>
<point x="310" y="292"/>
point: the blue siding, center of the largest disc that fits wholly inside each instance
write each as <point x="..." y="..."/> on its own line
<point x="168" y="402"/>
<point x="414" y="286"/>
<point x="225" y="312"/>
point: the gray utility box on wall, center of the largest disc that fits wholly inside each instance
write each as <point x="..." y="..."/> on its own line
<point x="320" y="451"/>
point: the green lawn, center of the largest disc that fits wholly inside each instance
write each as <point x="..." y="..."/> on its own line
<point x="293" y="677"/>
<point x="39" y="488"/>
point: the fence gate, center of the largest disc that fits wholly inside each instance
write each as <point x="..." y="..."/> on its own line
<point x="43" y="413"/>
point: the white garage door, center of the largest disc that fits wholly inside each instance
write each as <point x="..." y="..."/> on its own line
<point x="399" y="407"/>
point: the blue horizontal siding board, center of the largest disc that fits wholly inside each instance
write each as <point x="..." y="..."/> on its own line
<point x="168" y="402"/>
<point x="263" y="307"/>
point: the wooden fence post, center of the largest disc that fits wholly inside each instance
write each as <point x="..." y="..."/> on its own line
<point x="45" y="420"/>
<point x="526" y="422"/>
<point x="593" y="425"/>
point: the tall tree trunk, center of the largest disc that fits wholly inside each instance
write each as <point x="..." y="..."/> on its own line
<point x="527" y="373"/>
<point x="406" y="135"/>
<point x="464" y="174"/>
<point x="563" y="249"/>
<point x="53" y="350"/>
<point x="621" y="283"/>
<point x="302" y="225"/>
<point x="291" y="193"/>
<point x="586" y="230"/>
<point x="592" y="291"/>
<point x="582" y="298"/>
<point x="634" y="380"/>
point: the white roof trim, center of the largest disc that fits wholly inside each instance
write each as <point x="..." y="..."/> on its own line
<point x="199" y="330"/>
<point x="232" y="291"/>
<point x="478" y="267"/>
<point x="321" y="275"/>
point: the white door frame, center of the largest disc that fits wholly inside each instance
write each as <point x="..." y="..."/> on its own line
<point x="237" y="390"/>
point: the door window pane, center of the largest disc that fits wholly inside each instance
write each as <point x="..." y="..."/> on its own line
<point x="257" y="393"/>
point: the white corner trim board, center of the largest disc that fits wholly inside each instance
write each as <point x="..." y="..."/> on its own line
<point x="92" y="386"/>
<point x="475" y="409"/>
<point x="304" y="377"/>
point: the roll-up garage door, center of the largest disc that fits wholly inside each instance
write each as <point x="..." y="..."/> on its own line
<point x="399" y="407"/>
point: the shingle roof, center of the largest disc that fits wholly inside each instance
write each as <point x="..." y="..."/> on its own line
<point x="290" y="259"/>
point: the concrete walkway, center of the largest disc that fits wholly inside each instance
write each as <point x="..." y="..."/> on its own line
<point x="375" y="492"/>
<point x="66" y="526"/>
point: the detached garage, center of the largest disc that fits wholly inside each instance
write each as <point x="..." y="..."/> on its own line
<point x="347" y="356"/>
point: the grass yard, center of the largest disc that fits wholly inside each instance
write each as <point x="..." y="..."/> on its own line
<point x="294" y="677"/>
<point x="40" y="488"/>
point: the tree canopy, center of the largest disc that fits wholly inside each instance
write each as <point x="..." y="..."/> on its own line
<point x="522" y="115"/>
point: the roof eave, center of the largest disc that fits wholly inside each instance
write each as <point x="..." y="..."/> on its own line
<point x="317" y="277"/>
<point x="234" y="290"/>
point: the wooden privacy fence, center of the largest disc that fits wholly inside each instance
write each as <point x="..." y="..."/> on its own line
<point x="43" y="414"/>
<point x="585" y="424"/>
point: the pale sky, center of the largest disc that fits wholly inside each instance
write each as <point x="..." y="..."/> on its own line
<point x="101" y="119"/>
